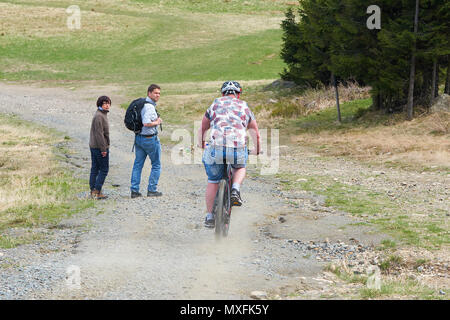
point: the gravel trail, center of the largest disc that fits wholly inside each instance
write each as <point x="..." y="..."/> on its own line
<point x="157" y="248"/>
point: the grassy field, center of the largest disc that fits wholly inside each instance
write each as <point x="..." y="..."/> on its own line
<point x="34" y="190"/>
<point x="133" y="43"/>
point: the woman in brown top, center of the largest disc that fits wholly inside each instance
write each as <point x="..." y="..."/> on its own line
<point x="99" y="145"/>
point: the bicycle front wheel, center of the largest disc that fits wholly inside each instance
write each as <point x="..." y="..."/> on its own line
<point x="221" y="223"/>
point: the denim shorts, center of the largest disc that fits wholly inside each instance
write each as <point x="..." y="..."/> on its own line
<point x="213" y="159"/>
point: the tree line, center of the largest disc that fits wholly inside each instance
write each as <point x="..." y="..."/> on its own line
<point x="404" y="61"/>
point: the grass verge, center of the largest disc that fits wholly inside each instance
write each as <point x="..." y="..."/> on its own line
<point x="377" y="208"/>
<point x="35" y="190"/>
<point x="391" y="288"/>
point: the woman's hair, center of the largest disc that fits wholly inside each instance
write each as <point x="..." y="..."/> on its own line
<point x="102" y="99"/>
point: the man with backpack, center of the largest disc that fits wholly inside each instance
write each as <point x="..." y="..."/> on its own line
<point x="146" y="140"/>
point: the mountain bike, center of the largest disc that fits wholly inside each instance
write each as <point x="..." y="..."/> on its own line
<point x="222" y="202"/>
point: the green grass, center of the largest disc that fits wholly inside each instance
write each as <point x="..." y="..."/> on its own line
<point x="225" y="6"/>
<point x="387" y="244"/>
<point x="77" y="61"/>
<point x="391" y="262"/>
<point x="327" y="118"/>
<point x="7" y="242"/>
<point x="50" y="196"/>
<point x="409" y="289"/>
<point x="377" y="209"/>
<point x="266" y="7"/>
<point x="346" y="276"/>
<point x="62" y="186"/>
<point x="350" y="198"/>
<point x="141" y="47"/>
<point x="390" y="289"/>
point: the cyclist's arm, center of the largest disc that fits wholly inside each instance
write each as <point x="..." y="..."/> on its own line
<point x="254" y="133"/>
<point x="201" y="132"/>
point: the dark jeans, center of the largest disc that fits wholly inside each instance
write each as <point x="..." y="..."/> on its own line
<point x="99" y="169"/>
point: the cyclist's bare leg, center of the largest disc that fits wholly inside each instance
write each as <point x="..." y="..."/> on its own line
<point x="239" y="175"/>
<point x="238" y="178"/>
<point x="211" y="191"/>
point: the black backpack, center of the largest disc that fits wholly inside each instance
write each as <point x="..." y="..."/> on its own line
<point x="133" y="118"/>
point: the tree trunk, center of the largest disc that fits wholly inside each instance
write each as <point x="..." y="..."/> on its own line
<point x="376" y="101"/>
<point x="409" y="106"/>
<point x="433" y="81"/>
<point x="447" y="80"/>
<point x="436" y="89"/>
<point x="337" y="96"/>
<point x="412" y="72"/>
<point x="379" y="101"/>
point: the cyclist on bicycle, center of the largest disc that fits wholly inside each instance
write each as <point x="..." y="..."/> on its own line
<point x="229" y="118"/>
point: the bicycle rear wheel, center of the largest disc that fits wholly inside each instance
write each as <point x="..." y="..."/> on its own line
<point x="221" y="214"/>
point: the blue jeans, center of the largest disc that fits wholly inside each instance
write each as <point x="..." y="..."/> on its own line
<point x="146" y="147"/>
<point x="99" y="169"/>
<point x="213" y="160"/>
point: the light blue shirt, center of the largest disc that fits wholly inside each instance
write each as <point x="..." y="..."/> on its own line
<point x="149" y="114"/>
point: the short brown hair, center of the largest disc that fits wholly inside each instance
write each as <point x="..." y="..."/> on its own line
<point x="153" y="87"/>
<point x="102" y="99"/>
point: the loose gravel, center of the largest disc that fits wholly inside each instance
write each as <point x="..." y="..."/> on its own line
<point x="157" y="248"/>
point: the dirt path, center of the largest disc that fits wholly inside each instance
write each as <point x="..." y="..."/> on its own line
<point x="158" y="248"/>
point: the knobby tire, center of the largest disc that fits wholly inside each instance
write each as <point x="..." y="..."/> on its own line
<point x="221" y="223"/>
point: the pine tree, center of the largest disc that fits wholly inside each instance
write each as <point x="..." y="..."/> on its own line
<point x="398" y="61"/>
<point x="433" y="47"/>
<point x="306" y="44"/>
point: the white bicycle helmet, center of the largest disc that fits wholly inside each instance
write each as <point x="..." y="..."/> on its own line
<point x="231" y="87"/>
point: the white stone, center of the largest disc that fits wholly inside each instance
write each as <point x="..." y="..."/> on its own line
<point x="258" y="295"/>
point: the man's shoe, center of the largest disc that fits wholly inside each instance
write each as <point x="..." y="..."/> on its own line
<point x="236" y="198"/>
<point x="135" y="194"/>
<point x="101" y="196"/>
<point x="98" y="195"/>
<point x="209" y="221"/>
<point x="154" y="194"/>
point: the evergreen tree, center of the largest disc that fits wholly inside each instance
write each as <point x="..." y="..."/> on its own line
<point x="306" y="44"/>
<point x="332" y="37"/>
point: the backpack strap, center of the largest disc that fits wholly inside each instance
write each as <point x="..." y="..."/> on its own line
<point x="157" y="113"/>
<point x="132" y="150"/>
